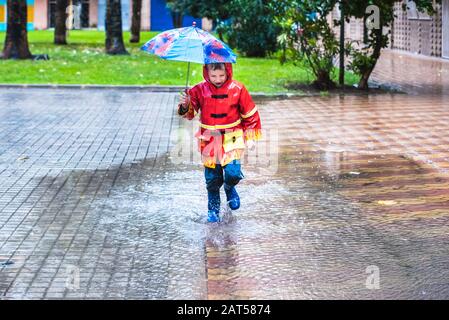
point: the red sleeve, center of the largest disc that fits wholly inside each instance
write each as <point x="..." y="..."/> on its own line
<point x="194" y="104"/>
<point x="250" y="116"/>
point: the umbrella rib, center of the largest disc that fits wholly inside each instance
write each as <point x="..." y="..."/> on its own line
<point x="194" y="28"/>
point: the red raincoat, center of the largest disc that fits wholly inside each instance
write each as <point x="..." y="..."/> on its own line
<point x="228" y="118"/>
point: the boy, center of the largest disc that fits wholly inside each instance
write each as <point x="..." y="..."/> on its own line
<point x="229" y="119"/>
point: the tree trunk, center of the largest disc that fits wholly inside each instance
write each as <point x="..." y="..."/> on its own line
<point x="114" y="36"/>
<point x="61" y="22"/>
<point x="179" y="22"/>
<point x="323" y="81"/>
<point x="341" y="76"/>
<point x="363" y="83"/>
<point x="177" y="19"/>
<point x="135" y="24"/>
<point x="16" y="40"/>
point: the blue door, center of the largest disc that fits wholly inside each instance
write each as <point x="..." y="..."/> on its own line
<point x="126" y="15"/>
<point x="161" y="18"/>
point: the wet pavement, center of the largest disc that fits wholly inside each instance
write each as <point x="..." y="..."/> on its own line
<point x="416" y="76"/>
<point x="345" y="197"/>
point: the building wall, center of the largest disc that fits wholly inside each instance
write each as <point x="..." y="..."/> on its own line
<point x="411" y="31"/>
<point x="146" y="16"/>
<point x="126" y="14"/>
<point x="417" y="33"/>
<point x="30" y="14"/>
<point x="40" y="14"/>
<point x="3" y="15"/>
<point x="353" y="28"/>
<point x="445" y="27"/>
<point x="93" y="13"/>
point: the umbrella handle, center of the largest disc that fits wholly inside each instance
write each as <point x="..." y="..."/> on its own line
<point x="188" y="75"/>
<point x="188" y="64"/>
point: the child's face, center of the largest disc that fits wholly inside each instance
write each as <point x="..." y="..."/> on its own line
<point x="217" y="77"/>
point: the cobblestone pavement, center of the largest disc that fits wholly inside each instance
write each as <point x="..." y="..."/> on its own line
<point x="345" y="197"/>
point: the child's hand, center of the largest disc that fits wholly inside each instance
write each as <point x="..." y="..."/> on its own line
<point x="184" y="98"/>
<point x="251" y="145"/>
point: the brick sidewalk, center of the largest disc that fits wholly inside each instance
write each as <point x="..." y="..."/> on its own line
<point x="63" y="155"/>
<point x="92" y="204"/>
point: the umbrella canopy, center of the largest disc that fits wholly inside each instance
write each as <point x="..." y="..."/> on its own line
<point x="190" y="44"/>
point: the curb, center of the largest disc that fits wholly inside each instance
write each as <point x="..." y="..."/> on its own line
<point x="176" y="89"/>
<point x="147" y="88"/>
<point x="150" y="88"/>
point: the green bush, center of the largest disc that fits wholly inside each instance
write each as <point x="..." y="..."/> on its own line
<point x="250" y="29"/>
<point x="307" y="36"/>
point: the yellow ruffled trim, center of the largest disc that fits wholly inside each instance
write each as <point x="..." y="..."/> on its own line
<point x="209" y="162"/>
<point x="227" y="158"/>
<point x="253" y="134"/>
<point x="230" y="156"/>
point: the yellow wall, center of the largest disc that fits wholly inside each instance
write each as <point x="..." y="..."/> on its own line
<point x="30" y="13"/>
<point x="2" y="13"/>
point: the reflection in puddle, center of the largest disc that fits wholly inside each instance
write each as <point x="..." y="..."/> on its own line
<point x="305" y="233"/>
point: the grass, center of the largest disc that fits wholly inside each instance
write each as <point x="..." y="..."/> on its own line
<point x="84" y="61"/>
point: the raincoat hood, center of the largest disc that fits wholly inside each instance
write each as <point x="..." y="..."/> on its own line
<point x="228" y="69"/>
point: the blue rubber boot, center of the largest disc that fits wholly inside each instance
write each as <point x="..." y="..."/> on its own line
<point x="232" y="197"/>
<point x="214" y="206"/>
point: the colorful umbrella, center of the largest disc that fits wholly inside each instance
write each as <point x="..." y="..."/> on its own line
<point x="190" y="44"/>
